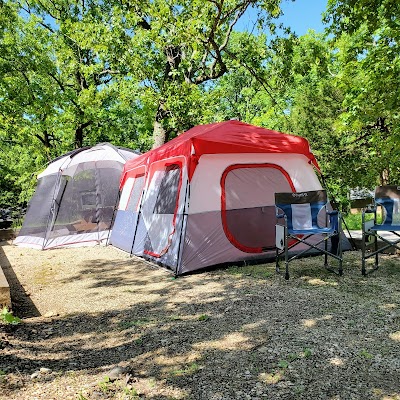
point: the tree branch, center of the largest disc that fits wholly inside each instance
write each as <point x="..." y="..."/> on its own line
<point x="213" y="72"/>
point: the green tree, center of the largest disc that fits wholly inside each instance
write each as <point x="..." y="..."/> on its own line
<point x="59" y="88"/>
<point x="177" y="47"/>
<point x="366" y="39"/>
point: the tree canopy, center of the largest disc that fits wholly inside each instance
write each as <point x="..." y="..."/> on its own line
<point x="137" y="73"/>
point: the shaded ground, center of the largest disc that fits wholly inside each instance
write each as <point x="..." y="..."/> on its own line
<point x="236" y="333"/>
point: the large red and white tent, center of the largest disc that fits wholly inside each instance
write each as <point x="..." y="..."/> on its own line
<point x="207" y="196"/>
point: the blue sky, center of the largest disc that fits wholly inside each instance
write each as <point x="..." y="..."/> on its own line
<point x="303" y="15"/>
<point x="300" y="15"/>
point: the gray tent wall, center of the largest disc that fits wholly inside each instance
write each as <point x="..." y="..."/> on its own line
<point x="74" y="200"/>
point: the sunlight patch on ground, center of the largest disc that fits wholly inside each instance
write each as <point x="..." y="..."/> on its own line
<point x="45" y="275"/>
<point x="318" y="281"/>
<point x="395" y="336"/>
<point x="336" y="361"/>
<point x="169" y="360"/>
<point x="187" y="296"/>
<point x="309" y="323"/>
<point x="254" y="325"/>
<point x="271" y="378"/>
<point x="378" y="393"/>
<point x="389" y="306"/>
<point x="312" y="322"/>
<point x="168" y="363"/>
<point x="233" y="341"/>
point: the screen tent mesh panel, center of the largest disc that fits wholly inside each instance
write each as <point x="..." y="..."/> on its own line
<point x="88" y="200"/>
<point x="39" y="208"/>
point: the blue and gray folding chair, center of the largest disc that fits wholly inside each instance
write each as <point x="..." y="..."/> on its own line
<point x="386" y="197"/>
<point x="304" y="216"/>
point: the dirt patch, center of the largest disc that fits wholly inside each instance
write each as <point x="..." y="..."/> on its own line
<point x="98" y="324"/>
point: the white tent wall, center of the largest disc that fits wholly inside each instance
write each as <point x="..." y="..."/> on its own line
<point x="126" y="219"/>
<point x="205" y="186"/>
<point x="206" y="239"/>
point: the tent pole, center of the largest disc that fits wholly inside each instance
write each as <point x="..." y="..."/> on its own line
<point x="138" y="219"/>
<point x="183" y="226"/>
<point x="52" y="208"/>
<point x="56" y="187"/>
<point x="51" y="219"/>
<point x="114" y="215"/>
<point x="98" y="202"/>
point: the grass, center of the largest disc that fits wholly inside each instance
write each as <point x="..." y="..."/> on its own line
<point x="7" y="317"/>
<point x="130" y="324"/>
<point x="263" y="271"/>
<point x="365" y="354"/>
<point x="353" y="221"/>
<point x="116" y="389"/>
<point x="188" y="370"/>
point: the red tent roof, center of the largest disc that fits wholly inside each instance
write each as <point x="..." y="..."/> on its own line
<point x="225" y="137"/>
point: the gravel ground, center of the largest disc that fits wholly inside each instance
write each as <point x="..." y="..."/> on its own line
<point x="98" y="324"/>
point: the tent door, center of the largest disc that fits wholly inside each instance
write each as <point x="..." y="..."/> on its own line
<point x="55" y="205"/>
<point x="126" y="221"/>
<point x="248" y="204"/>
<point x="160" y="208"/>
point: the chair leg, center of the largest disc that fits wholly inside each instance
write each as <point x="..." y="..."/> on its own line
<point x="287" y="271"/>
<point x="286" y="261"/>
<point x="326" y="255"/>
<point x="363" y="269"/>
<point x="376" y="255"/>
<point x="364" y="250"/>
<point x="277" y="269"/>
<point x="341" y="256"/>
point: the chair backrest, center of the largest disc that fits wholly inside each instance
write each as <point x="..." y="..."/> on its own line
<point x="302" y="208"/>
<point x="388" y="197"/>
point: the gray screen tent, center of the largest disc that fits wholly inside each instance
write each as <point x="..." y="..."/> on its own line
<point x="75" y="198"/>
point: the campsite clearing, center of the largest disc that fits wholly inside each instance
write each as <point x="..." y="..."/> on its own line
<point x="232" y="333"/>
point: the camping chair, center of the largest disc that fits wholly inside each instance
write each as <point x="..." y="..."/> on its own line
<point x="387" y="197"/>
<point x="306" y="214"/>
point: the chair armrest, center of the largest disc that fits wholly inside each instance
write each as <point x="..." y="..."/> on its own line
<point x="369" y="210"/>
<point x="333" y="212"/>
<point x="280" y="215"/>
<point x="334" y="217"/>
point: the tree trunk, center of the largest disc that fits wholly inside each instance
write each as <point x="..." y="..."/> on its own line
<point x="79" y="134"/>
<point x="79" y="137"/>
<point x="384" y="177"/>
<point x="158" y="134"/>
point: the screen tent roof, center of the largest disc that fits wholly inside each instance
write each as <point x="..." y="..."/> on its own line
<point x="99" y="152"/>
